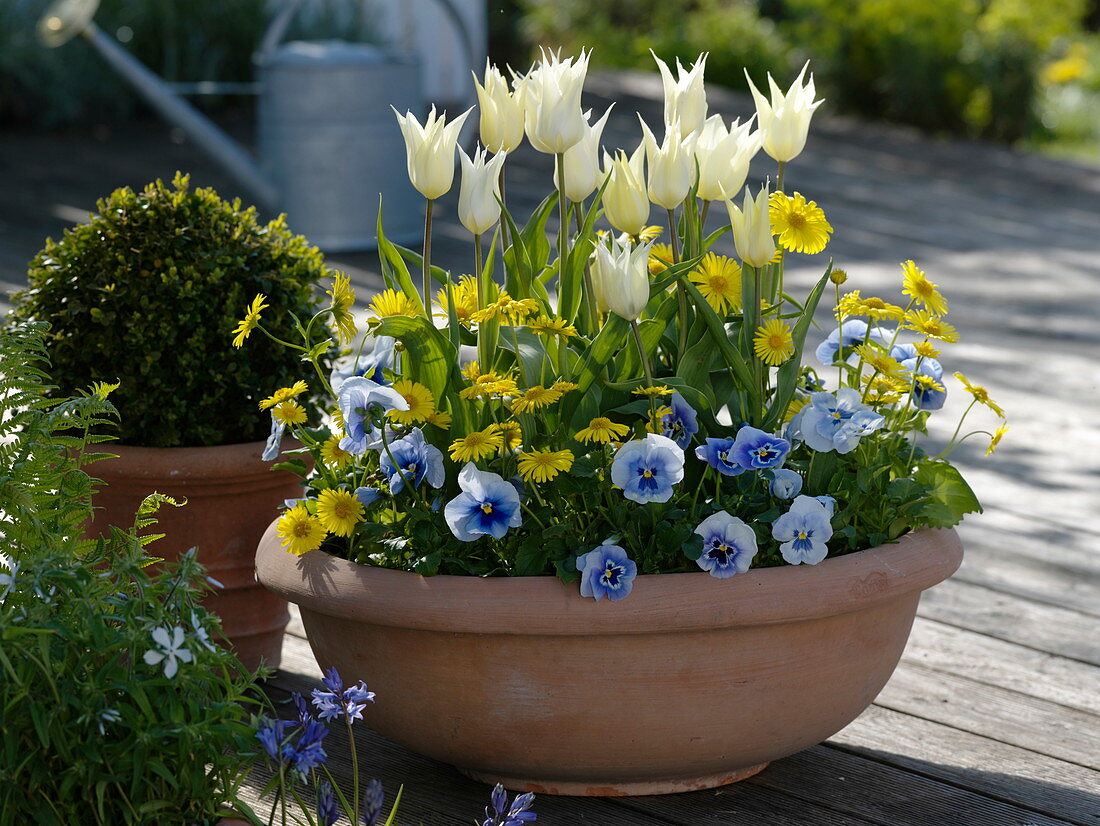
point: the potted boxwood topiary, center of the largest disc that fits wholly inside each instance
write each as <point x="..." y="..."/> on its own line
<point x="146" y="295"/>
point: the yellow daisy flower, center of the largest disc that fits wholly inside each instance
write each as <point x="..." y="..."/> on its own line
<point x="795" y="405"/>
<point x="773" y="343"/>
<point x="343" y="297"/>
<point x="564" y="387"/>
<point x="546" y="326"/>
<point x="332" y="454"/>
<point x="800" y="224"/>
<point x="655" y="390"/>
<point x="602" y="430"/>
<point x="882" y="389"/>
<point x="650" y="232"/>
<point x="660" y="258"/>
<point x="848" y="305"/>
<point x="299" y="531"/>
<point x="838" y="277"/>
<point x="719" y="280"/>
<point x="927" y="382"/>
<point x="879" y="359"/>
<point x="420" y="399"/>
<point x="476" y="445"/>
<point x="544" y="465"/>
<point x="511" y="310"/>
<point x="440" y="418"/>
<point x="926" y="349"/>
<point x="981" y="395"/>
<point x="917" y="286"/>
<point x="998" y="434"/>
<point x="875" y="308"/>
<point x="284" y="393"/>
<point x="930" y="325"/>
<point x="289" y="412"/>
<point x="339" y="511"/>
<point x="471" y="371"/>
<point x="534" y="398"/>
<point x="511" y="434"/>
<point x="390" y="303"/>
<point x="337" y="418"/>
<point x="251" y="318"/>
<point x="465" y="299"/>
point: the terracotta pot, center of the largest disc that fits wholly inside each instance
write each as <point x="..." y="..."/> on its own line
<point x="232" y="496"/>
<point x="690" y="682"/>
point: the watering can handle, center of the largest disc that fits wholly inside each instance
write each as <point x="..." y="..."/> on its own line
<point x="277" y="28"/>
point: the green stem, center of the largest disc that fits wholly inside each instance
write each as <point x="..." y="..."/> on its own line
<point x="354" y="770"/>
<point x="681" y="290"/>
<point x="646" y="368"/>
<point x="563" y="229"/>
<point x="758" y="373"/>
<point x="483" y="354"/>
<point x="779" y="176"/>
<point x="427" y="262"/>
<point x="588" y="304"/>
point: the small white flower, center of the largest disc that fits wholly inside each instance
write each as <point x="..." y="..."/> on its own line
<point x="108" y="716"/>
<point x="171" y="650"/>
<point x="201" y="634"/>
<point x="9" y="568"/>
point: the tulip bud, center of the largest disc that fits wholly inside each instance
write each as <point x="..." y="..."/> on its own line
<point x="671" y="166"/>
<point x="501" y="111"/>
<point x="785" y="120"/>
<point x="625" y="203"/>
<point x="622" y="271"/>
<point x="431" y="151"/>
<point x="752" y="229"/>
<point x="478" y="207"/>
<point x="552" y="102"/>
<point x="582" y="162"/>
<point x="685" y="97"/>
<point x="724" y="156"/>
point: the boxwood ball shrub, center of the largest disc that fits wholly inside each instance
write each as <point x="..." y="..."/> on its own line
<point x="147" y="294"/>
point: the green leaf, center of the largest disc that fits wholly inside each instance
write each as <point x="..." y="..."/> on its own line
<point x="429" y="357"/>
<point x="950" y="497"/>
<point x="394" y="271"/>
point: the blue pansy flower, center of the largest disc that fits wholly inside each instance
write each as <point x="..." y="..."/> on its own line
<point x="829" y="503"/>
<point x="851" y="333"/>
<point x="646" y="469"/>
<point x="718" y="453"/>
<point x="370" y="365"/>
<point x="754" y="449"/>
<point x="925" y="397"/>
<point x="862" y="423"/>
<point x="358" y="398"/>
<point x="803" y="531"/>
<point x="679" y="424"/>
<point x="728" y="545"/>
<point x="487" y="506"/>
<point x="819" y="424"/>
<point x="606" y="571"/>
<point x="785" y="484"/>
<point x="416" y="462"/>
<point x="367" y="496"/>
<point x="274" y="441"/>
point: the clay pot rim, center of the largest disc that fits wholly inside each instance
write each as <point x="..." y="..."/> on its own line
<point x="659" y="603"/>
<point x="181" y="464"/>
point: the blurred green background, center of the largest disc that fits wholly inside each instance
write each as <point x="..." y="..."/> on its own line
<point x="1021" y="72"/>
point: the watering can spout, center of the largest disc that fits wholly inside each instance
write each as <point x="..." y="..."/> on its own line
<point x="72" y="17"/>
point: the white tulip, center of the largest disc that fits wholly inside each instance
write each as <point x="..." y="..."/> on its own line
<point x="724" y="155"/>
<point x="582" y="161"/>
<point x="552" y="102"/>
<point x="685" y="96"/>
<point x="625" y="203"/>
<point x="785" y="119"/>
<point x="501" y="111"/>
<point x="622" y="271"/>
<point x="752" y="228"/>
<point x="671" y="166"/>
<point x="431" y="150"/>
<point x="478" y="207"/>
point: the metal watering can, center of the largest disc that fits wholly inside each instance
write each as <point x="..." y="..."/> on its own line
<point x="328" y="143"/>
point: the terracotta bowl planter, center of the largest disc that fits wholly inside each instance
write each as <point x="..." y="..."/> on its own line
<point x="232" y="497"/>
<point x="689" y="683"/>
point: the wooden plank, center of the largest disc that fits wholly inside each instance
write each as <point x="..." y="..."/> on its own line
<point x="994" y="662"/>
<point x="1013" y="619"/>
<point x="1004" y="772"/>
<point x="997" y="713"/>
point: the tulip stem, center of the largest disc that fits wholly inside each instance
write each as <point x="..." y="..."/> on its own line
<point x="755" y="316"/>
<point x="703" y="223"/>
<point x="779" y="176"/>
<point x="681" y="290"/>
<point x="588" y="305"/>
<point x="483" y="355"/>
<point x="427" y="260"/>
<point x="645" y="368"/>
<point x="563" y="235"/>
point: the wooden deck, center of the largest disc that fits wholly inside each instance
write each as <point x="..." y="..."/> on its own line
<point x="993" y="716"/>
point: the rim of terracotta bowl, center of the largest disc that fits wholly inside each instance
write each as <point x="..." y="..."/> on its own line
<point x="659" y="603"/>
<point x="165" y="465"/>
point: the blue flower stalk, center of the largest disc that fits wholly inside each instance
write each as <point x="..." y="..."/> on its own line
<point x="499" y="813"/>
<point x="337" y="701"/>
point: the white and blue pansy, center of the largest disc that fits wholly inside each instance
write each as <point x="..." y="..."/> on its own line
<point x="755" y="449"/>
<point x="680" y="423"/>
<point x="487" y="506"/>
<point x="718" y="453"/>
<point x="646" y="469"/>
<point x="360" y="400"/>
<point x="367" y="496"/>
<point x="785" y="484"/>
<point x="370" y="365"/>
<point x="862" y="424"/>
<point x="925" y="398"/>
<point x="411" y="459"/>
<point x="850" y="335"/>
<point x="606" y="571"/>
<point x="729" y="545"/>
<point x="820" y="423"/>
<point x="829" y="503"/>
<point x="803" y="531"/>
<point x="274" y="443"/>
